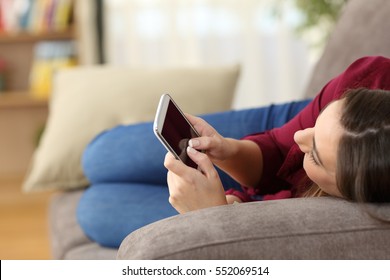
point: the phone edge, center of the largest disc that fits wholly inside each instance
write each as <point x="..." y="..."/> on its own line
<point x="157" y="121"/>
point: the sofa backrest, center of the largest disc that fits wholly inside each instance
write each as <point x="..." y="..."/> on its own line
<point x="362" y="30"/>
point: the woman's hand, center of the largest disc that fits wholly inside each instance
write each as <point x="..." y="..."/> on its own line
<point x="241" y="159"/>
<point x="191" y="189"/>
<point x="210" y="141"/>
<point x="232" y="198"/>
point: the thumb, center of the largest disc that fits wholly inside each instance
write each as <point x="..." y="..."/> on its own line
<point x="202" y="160"/>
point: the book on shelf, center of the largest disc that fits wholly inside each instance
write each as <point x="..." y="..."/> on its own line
<point x="49" y="57"/>
<point x="35" y="16"/>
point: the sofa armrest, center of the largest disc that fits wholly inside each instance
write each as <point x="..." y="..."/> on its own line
<point x="304" y="228"/>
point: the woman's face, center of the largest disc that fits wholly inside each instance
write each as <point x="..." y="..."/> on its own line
<point x="319" y="144"/>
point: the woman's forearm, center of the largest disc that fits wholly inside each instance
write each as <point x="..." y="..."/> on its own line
<point x="244" y="162"/>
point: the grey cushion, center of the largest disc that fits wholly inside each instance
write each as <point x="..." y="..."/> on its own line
<point x="307" y="228"/>
<point x="362" y="30"/>
<point x="67" y="238"/>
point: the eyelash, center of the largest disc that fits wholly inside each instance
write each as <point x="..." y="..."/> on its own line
<point x="312" y="158"/>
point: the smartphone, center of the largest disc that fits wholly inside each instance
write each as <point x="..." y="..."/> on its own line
<point x="173" y="129"/>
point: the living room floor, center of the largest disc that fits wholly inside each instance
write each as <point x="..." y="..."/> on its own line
<point x="24" y="232"/>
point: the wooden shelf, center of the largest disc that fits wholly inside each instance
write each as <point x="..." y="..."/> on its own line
<point x="29" y="37"/>
<point x="20" y="99"/>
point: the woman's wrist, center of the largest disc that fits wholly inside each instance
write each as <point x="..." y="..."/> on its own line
<point x="242" y="161"/>
<point x="230" y="148"/>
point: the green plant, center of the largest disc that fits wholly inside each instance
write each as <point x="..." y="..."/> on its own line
<point x="316" y="11"/>
<point x="319" y="15"/>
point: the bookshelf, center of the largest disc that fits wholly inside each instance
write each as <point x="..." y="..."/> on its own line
<point x="21" y="115"/>
<point x="19" y="100"/>
<point x="19" y="53"/>
<point x="27" y="37"/>
<point x="22" y="30"/>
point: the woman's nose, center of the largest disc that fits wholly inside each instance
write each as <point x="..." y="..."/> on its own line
<point x="304" y="139"/>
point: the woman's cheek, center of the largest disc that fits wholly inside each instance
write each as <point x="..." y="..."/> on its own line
<point x="325" y="181"/>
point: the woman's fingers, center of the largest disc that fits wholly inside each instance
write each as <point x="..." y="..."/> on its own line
<point x="201" y="143"/>
<point x="200" y="125"/>
<point x="209" y="141"/>
<point x="174" y="165"/>
<point x="204" y="163"/>
<point x="180" y="169"/>
<point x="192" y="189"/>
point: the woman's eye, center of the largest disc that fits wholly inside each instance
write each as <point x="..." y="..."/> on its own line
<point x="312" y="158"/>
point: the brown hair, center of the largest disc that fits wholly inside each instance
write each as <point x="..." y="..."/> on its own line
<point x="363" y="156"/>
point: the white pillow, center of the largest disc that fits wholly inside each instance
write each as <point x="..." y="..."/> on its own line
<point x="88" y="100"/>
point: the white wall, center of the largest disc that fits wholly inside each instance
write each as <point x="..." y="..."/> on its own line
<point x="275" y="62"/>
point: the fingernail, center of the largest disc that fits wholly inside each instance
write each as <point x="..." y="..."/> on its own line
<point x="191" y="150"/>
<point x="193" y="143"/>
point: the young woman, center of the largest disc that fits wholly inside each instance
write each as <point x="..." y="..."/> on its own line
<point x="335" y="144"/>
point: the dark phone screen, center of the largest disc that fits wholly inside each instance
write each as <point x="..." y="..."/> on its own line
<point x="177" y="132"/>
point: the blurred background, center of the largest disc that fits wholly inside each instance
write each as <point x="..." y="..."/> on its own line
<point x="275" y="42"/>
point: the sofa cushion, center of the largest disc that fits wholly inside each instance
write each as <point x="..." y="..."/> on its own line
<point x="303" y="228"/>
<point x="67" y="238"/>
<point x="90" y="251"/>
<point x="88" y="100"/>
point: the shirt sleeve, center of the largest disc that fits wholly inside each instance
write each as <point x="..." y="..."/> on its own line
<point x="275" y="144"/>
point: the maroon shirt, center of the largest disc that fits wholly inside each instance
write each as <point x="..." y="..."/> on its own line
<point x="283" y="173"/>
